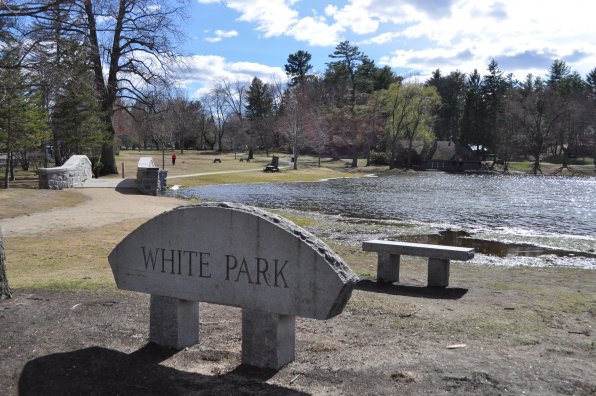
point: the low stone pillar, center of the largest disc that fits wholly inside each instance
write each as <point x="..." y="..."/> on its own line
<point x="388" y="267"/>
<point x="268" y="339"/>
<point x="173" y="322"/>
<point x="163" y="179"/>
<point x="438" y="272"/>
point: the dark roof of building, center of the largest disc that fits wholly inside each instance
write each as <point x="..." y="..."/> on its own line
<point x="446" y="150"/>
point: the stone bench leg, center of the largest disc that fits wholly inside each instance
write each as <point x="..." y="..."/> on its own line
<point x="268" y="339"/>
<point x="173" y="323"/>
<point x="438" y="272"/>
<point x="388" y="267"/>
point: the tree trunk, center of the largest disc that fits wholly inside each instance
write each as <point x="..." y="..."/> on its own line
<point x="6" y="171"/>
<point x="11" y="165"/>
<point x="108" y="159"/>
<point x="355" y="161"/>
<point x="410" y="153"/>
<point x="5" y="292"/>
<point x="8" y="146"/>
<point x="392" y="160"/>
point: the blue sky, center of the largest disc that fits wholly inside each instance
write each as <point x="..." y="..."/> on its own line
<point x="240" y="39"/>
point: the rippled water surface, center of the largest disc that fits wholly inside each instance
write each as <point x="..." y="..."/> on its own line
<point x="553" y="212"/>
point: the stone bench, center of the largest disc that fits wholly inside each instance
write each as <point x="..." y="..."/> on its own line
<point x="389" y="253"/>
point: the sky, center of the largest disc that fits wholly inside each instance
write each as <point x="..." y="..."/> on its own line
<point x="241" y="39"/>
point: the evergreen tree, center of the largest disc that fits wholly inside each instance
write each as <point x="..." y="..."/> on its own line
<point x="350" y="59"/>
<point x="298" y="66"/>
<point x="22" y="119"/>
<point x="493" y="93"/>
<point x="591" y="83"/>
<point x="77" y="123"/>
<point x="452" y="89"/>
<point x="474" y="111"/>
<point x="259" y="111"/>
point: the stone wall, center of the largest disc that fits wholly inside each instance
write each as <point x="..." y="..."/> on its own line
<point x="150" y="179"/>
<point x="72" y="174"/>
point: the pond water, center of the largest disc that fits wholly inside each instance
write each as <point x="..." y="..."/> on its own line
<point x="501" y="215"/>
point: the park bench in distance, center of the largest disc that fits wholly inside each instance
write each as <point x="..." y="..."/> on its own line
<point x="273" y="166"/>
<point x="389" y="253"/>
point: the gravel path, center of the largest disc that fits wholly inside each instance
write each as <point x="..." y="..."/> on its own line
<point x="105" y="206"/>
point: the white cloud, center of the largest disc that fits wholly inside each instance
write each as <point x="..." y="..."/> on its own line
<point x="275" y="18"/>
<point x="206" y="70"/>
<point x="220" y="35"/>
<point x="447" y="34"/>
<point x="382" y="38"/>
<point x="353" y="16"/>
<point x="272" y="17"/>
<point x="523" y="36"/>
<point x="315" y="32"/>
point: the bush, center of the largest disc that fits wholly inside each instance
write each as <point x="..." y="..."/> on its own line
<point x="96" y="165"/>
<point x="378" y="158"/>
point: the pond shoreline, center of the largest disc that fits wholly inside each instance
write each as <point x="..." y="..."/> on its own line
<point x="492" y="212"/>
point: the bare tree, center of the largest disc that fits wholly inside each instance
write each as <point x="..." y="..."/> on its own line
<point x="538" y="113"/>
<point x="130" y="44"/>
<point x="219" y="111"/>
<point x="235" y="97"/>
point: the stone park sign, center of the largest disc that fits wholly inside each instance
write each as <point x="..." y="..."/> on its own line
<point x="233" y="255"/>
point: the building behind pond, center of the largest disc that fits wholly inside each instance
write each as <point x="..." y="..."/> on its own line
<point x="451" y="157"/>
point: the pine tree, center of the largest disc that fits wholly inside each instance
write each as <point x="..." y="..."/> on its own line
<point x="22" y="118"/>
<point x="298" y="66"/>
<point x="259" y="109"/>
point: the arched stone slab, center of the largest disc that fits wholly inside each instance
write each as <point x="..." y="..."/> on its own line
<point x="234" y="255"/>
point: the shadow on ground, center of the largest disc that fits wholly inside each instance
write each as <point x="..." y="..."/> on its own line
<point x="444" y="293"/>
<point x="100" y="371"/>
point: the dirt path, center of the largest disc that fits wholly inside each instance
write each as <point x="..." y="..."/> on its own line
<point x="105" y="206"/>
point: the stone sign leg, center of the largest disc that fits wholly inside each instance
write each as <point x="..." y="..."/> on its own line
<point x="388" y="267"/>
<point x="173" y="323"/>
<point x="268" y="339"/>
<point x="438" y="272"/>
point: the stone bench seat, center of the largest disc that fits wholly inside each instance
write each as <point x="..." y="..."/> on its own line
<point x="439" y="257"/>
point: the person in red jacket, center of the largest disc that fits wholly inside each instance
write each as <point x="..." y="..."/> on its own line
<point x="173" y="158"/>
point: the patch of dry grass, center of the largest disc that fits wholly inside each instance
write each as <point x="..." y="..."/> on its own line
<point x="285" y="176"/>
<point x="18" y="202"/>
<point x="68" y="260"/>
<point x="189" y="162"/>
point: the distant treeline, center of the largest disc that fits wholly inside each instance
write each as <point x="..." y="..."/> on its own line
<point x="84" y="77"/>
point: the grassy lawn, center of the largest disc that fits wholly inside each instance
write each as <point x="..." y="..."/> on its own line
<point x="187" y="163"/>
<point x="193" y="162"/>
<point x="19" y="201"/>
<point x="74" y="260"/>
